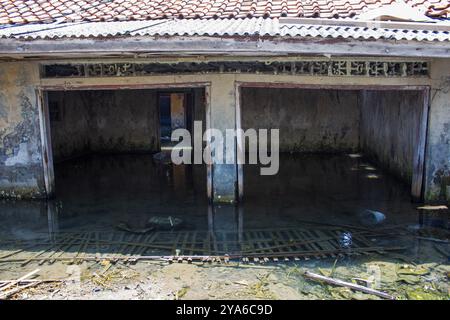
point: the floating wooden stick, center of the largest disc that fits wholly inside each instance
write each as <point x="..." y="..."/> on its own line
<point x="427" y="207"/>
<point x="352" y="286"/>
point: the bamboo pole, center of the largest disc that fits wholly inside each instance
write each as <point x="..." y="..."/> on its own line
<point x="15" y="290"/>
<point x="352" y="286"/>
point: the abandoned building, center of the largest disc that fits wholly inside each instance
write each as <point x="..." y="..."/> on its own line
<point x="115" y="78"/>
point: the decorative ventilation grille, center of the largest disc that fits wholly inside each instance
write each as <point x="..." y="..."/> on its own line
<point x="314" y="68"/>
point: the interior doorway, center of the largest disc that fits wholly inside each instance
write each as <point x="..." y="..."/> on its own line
<point x="85" y="127"/>
<point x="176" y="112"/>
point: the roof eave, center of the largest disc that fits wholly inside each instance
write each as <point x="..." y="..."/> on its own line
<point x="233" y="46"/>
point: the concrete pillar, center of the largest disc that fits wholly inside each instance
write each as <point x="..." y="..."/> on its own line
<point x="21" y="165"/>
<point x="222" y="115"/>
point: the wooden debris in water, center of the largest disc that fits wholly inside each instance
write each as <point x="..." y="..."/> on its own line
<point x="15" y="282"/>
<point x="4" y="293"/>
<point x="337" y="282"/>
<point x="429" y="207"/>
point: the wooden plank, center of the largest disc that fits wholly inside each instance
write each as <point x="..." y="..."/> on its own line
<point x="309" y="243"/>
<point x="13" y="283"/>
<point x="119" y="246"/>
<point x="85" y="237"/>
<point x="280" y="242"/>
<point x="136" y="239"/>
<point x="97" y="245"/>
<point x="209" y="168"/>
<point x="207" y="244"/>
<point x="262" y="236"/>
<point x="224" y="242"/>
<point x="86" y="244"/>
<point x="148" y="239"/>
<point x="290" y="242"/>
<point x="323" y="241"/>
<point x="353" y="286"/>
<point x="256" y="243"/>
<point x="419" y="151"/>
<point x="38" y="254"/>
<point x="176" y="244"/>
<point x="14" y="291"/>
<point x="46" y="144"/>
<point x="191" y="250"/>
<point x="61" y="244"/>
<point x="71" y="242"/>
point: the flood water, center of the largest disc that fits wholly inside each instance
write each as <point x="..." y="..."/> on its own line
<point x="122" y="193"/>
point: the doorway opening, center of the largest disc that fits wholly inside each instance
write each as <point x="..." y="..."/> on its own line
<point x="176" y="112"/>
<point x="104" y="156"/>
<point x="342" y="151"/>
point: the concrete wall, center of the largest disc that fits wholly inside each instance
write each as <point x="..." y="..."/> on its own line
<point x="390" y="121"/>
<point x="309" y="120"/>
<point x="70" y="133"/>
<point x="437" y="166"/>
<point x="21" y="170"/>
<point x="105" y="121"/>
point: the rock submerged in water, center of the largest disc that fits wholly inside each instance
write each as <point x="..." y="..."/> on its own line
<point x="165" y="223"/>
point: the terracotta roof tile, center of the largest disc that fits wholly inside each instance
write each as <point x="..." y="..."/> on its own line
<point x="13" y="11"/>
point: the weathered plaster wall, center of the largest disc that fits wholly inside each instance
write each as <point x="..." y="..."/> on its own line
<point x="309" y="120"/>
<point x="437" y="178"/>
<point x="124" y="121"/>
<point x="390" y="121"/>
<point x="21" y="171"/>
<point x="105" y="121"/>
